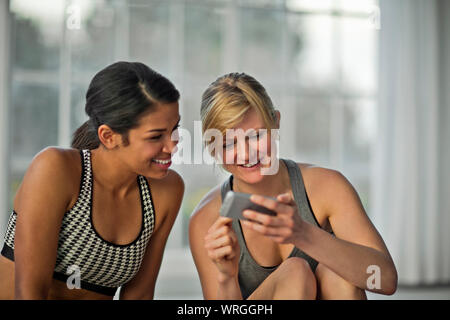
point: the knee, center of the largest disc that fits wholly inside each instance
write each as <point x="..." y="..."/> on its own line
<point x="298" y="275"/>
<point x="297" y="266"/>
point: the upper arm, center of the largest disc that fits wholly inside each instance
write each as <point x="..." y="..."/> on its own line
<point x="167" y="196"/>
<point x="346" y="213"/>
<point x="201" y="220"/>
<point x="40" y="203"/>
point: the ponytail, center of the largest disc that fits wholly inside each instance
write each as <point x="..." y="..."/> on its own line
<point x="85" y="137"/>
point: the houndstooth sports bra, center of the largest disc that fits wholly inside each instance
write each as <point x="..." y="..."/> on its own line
<point x="103" y="266"/>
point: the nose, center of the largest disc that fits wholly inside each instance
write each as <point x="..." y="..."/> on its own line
<point x="247" y="152"/>
<point x="170" y="144"/>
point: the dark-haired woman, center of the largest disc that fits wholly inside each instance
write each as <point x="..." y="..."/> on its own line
<point x="96" y="217"/>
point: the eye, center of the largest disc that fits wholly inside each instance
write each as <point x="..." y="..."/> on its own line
<point x="155" y="138"/>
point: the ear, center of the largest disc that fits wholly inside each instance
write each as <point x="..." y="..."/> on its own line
<point x="108" y="137"/>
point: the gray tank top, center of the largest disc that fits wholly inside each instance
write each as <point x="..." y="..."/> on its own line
<point x="251" y="274"/>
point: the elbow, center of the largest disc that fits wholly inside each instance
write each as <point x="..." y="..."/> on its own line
<point x="391" y="283"/>
<point x="383" y="281"/>
<point x="29" y="294"/>
<point x="27" y="289"/>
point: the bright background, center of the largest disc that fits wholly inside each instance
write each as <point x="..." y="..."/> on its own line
<point x="336" y="69"/>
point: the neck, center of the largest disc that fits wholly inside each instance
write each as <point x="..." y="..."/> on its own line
<point x="270" y="185"/>
<point x="110" y="173"/>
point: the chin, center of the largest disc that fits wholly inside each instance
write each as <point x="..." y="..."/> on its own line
<point x="248" y="177"/>
<point x="154" y="174"/>
<point x="158" y="175"/>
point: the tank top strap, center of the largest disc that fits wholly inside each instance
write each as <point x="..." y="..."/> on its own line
<point x="226" y="186"/>
<point x="147" y="206"/>
<point x="87" y="176"/>
<point x="299" y="191"/>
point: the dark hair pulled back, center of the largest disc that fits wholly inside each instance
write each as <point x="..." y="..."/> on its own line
<point x="118" y="96"/>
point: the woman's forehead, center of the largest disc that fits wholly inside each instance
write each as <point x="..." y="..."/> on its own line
<point x="160" y="115"/>
<point x="252" y="119"/>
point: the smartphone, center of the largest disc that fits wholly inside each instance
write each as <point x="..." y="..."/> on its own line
<point x="236" y="202"/>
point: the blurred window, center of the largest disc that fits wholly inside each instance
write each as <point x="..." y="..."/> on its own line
<point x="317" y="60"/>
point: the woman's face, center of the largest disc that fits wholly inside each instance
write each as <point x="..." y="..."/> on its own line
<point x="153" y="142"/>
<point x="245" y="157"/>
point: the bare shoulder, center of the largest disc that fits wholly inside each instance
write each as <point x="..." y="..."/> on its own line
<point x="316" y="175"/>
<point x="55" y="156"/>
<point x="207" y="210"/>
<point x="52" y="170"/>
<point x="167" y="194"/>
<point x="327" y="186"/>
<point x="62" y="164"/>
<point x="172" y="184"/>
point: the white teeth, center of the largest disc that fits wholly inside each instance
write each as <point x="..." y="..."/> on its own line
<point x="161" y="161"/>
<point x="249" y="165"/>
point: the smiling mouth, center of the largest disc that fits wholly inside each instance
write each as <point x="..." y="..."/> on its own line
<point x="249" y="165"/>
<point x="162" y="161"/>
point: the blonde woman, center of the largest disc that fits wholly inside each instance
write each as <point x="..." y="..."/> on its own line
<point x="321" y="244"/>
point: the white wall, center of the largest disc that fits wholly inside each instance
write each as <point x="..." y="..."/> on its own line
<point x="444" y="125"/>
<point x="4" y="106"/>
<point x="411" y="205"/>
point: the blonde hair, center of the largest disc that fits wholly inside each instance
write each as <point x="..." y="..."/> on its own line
<point x="226" y="100"/>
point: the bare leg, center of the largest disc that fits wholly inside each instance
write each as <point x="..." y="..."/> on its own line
<point x="292" y="280"/>
<point x="331" y="286"/>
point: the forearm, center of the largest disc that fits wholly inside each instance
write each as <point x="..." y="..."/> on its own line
<point x="349" y="260"/>
<point x="228" y="288"/>
<point x="23" y="292"/>
<point x="29" y="285"/>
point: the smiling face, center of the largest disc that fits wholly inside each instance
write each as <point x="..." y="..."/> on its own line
<point x="245" y="157"/>
<point x="152" y="142"/>
<point x="237" y="101"/>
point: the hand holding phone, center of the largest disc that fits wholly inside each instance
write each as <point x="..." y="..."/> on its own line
<point x="236" y="202"/>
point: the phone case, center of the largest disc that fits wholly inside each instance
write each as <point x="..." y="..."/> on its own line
<point x="236" y="202"/>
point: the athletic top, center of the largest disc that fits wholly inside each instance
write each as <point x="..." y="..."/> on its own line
<point x="103" y="266"/>
<point x="251" y="274"/>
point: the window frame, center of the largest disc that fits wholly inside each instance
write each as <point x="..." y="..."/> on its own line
<point x="175" y="247"/>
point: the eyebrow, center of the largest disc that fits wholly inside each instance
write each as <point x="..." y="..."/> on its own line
<point x="162" y="130"/>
